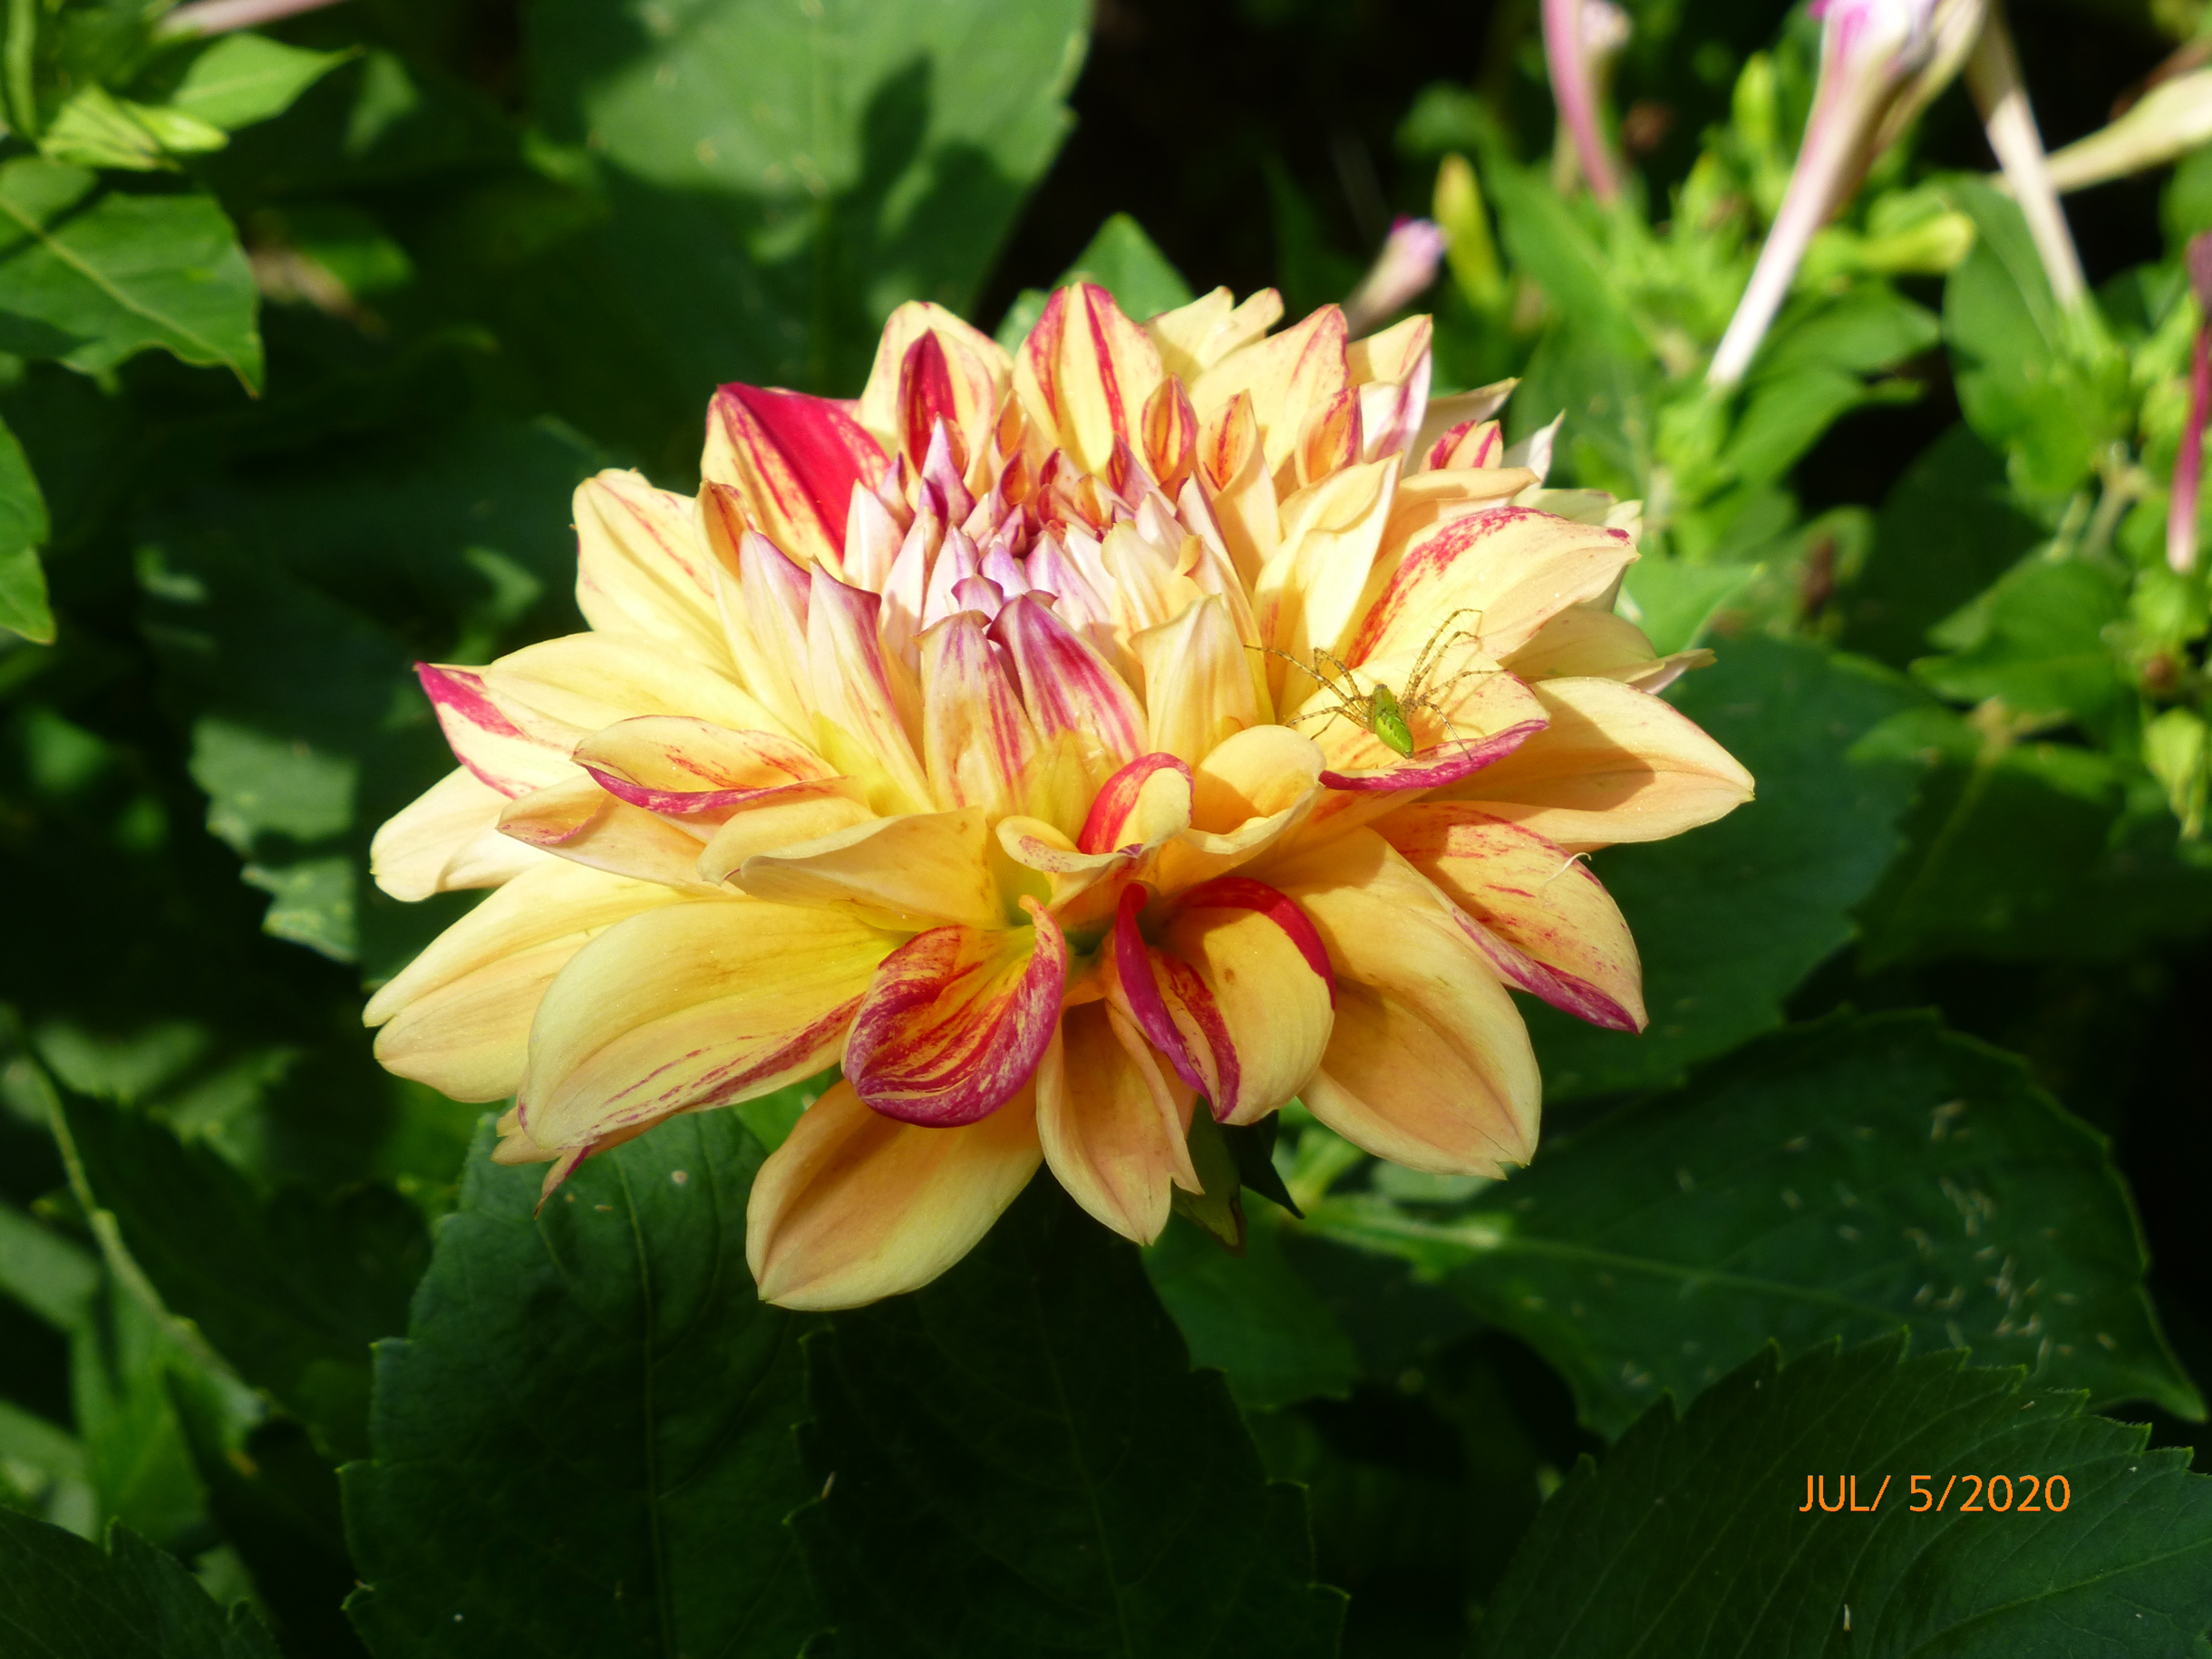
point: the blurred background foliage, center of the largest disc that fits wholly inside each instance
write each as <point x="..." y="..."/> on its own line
<point x="305" y="334"/>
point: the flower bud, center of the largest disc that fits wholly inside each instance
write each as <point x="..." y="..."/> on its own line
<point x="1402" y="271"/>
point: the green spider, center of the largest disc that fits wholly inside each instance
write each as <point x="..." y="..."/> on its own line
<point x="1380" y="710"/>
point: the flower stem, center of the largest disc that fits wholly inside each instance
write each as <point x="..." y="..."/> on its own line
<point x="1576" y="90"/>
<point x="222" y="17"/>
<point x="1993" y="74"/>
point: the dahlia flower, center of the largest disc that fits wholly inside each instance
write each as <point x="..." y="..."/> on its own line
<point x="1165" y="713"/>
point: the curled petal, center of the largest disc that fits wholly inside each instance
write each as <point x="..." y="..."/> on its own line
<point x="1198" y="683"/>
<point x="1443" y="414"/>
<point x="1066" y="685"/>
<point x="1145" y="803"/>
<point x="1515" y="568"/>
<point x="1333" y="438"/>
<point x="1615" y="765"/>
<point x="692" y="1005"/>
<point x="643" y="566"/>
<point x="1428" y="1064"/>
<point x="956" y="1019"/>
<point x="458" y="1017"/>
<point x="448" y="839"/>
<point x="1232" y="469"/>
<point x="778" y="822"/>
<point x="1309" y="592"/>
<point x="1170" y="434"/>
<point x="1269" y="985"/>
<point x="1546" y="922"/>
<point x="1256" y="773"/>
<point x="795" y="458"/>
<point x="977" y="371"/>
<point x="693" y="768"/>
<point x="854" y="1206"/>
<point x="580" y="821"/>
<point x="1469" y="444"/>
<point x="976" y="737"/>
<point x="1391" y="371"/>
<point x="1084" y="373"/>
<point x="1114" y="1127"/>
<point x="908" y="873"/>
<point x="485" y="739"/>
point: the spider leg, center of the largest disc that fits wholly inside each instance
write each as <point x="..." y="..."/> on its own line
<point x="1438" y="644"/>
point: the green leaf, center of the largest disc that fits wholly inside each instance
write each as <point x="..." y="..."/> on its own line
<point x="1869" y="328"/>
<point x="109" y="274"/>
<point x="2036" y="641"/>
<point x="49" y="1273"/>
<point x="96" y="129"/>
<point x="1028" y="1430"/>
<point x="1839" y="1180"/>
<point x="1948" y="530"/>
<point x="1688" y="1537"/>
<point x="1785" y="415"/>
<point x="775" y="179"/>
<point x="22" y="529"/>
<point x="2028" y="852"/>
<point x="1674" y="601"/>
<point x="583" y="1445"/>
<point x="1123" y="260"/>
<point x="2032" y="381"/>
<point x="1252" y="1317"/>
<point x="291" y="1290"/>
<point x="1731" y="917"/>
<point x="61" y="1595"/>
<point x="1547" y="241"/>
<point x="242" y="77"/>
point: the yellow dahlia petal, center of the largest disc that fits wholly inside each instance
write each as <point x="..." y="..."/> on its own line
<point x="1547" y="924"/>
<point x="955" y="1019"/>
<point x="1084" y="373"/>
<point x="1615" y="765"/>
<point x="1425" y="500"/>
<point x="1428" y="1064"/>
<point x="566" y="689"/>
<point x="854" y="1206"/>
<point x="1068" y="686"/>
<point x="1513" y="568"/>
<point x="448" y="838"/>
<point x="1239" y="486"/>
<point x="778" y="824"/>
<point x="931" y="365"/>
<point x="862" y="699"/>
<point x="976" y="737"/>
<point x="910" y="872"/>
<point x="1194" y="338"/>
<point x="643" y="567"/>
<point x="488" y="738"/>
<point x="1197" y="682"/>
<point x="1308" y="593"/>
<point x="1583" y="641"/>
<point x="697" y="770"/>
<point x="690" y="1005"/>
<point x="1114" y="1125"/>
<point x="795" y="459"/>
<point x="1465" y="409"/>
<point x="579" y="820"/>
<point x="1290" y="376"/>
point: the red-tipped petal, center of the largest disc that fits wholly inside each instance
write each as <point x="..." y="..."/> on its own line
<point x="956" y="1019"/>
<point x="1137" y="805"/>
<point x="795" y="457"/>
<point x="483" y="739"/>
<point x="1066" y="685"/>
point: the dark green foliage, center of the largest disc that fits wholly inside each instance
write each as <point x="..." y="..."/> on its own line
<point x="64" y="1597"/>
<point x="1692" y="1526"/>
<point x="1837" y="1180"/>
<point x="597" y="1389"/>
<point x="1018" y="1460"/>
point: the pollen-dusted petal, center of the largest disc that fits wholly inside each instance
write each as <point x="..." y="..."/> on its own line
<point x="1309" y="594"/>
<point x="692" y="1005"/>
<point x="447" y="840"/>
<point x="1516" y="568"/>
<point x="977" y="370"/>
<point x="1546" y="922"/>
<point x="1197" y="685"/>
<point x="1146" y="801"/>
<point x="643" y="565"/>
<point x="795" y="458"/>
<point x="957" y="1018"/>
<point x="1194" y="338"/>
<point x="580" y="821"/>
<point x="1114" y="1126"/>
<point x="1615" y="765"/>
<point x="1084" y="373"/>
<point x="566" y="689"/>
<point x="458" y="1017"/>
<point x="696" y="769"/>
<point x="854" y="1206"/>
<point x="909" y="872"/>
<point x="1271" y="988"/>
<point x="1066" y="685"/>
<point x="1289" y="375"/>
<point x="976" y="738"/>
<point x="863" y="699"/>
<point x="486" y="738"/>
<point x="1428" y="1064"/>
